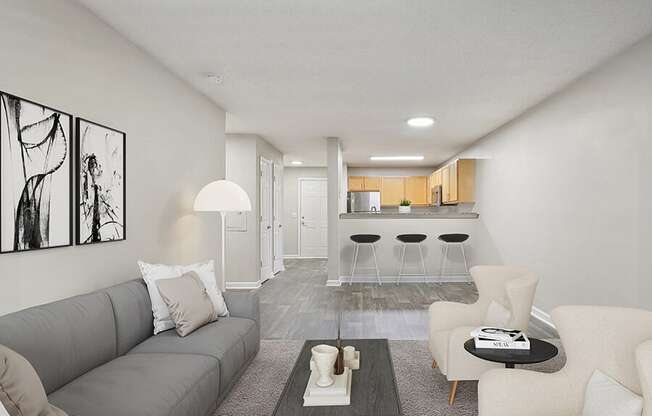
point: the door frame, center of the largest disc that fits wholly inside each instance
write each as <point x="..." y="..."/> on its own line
<point x="277" y="196"/>
<point x="262" y="161"/>
<point x="299" y="180"/>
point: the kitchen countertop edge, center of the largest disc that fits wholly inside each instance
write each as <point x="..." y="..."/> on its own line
<point x="412" y="215"/>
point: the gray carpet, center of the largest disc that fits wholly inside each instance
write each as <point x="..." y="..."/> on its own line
<point x="423" y="391"/>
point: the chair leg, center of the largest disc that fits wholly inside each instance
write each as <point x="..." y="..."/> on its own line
<point x="400" y="270"/>
<point x="443" y="262"/>
<point x="434" y="364"/>
<point x="423" y="263"/>
<point x="466" y="265"/>
<point x="451" y="398"/>
<point x="355" y="261"/>
<point x="373" y="250"/>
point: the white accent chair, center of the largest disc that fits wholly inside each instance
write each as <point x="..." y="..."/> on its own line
<point x="617" y="341"/>
<point x="451" y="323"/>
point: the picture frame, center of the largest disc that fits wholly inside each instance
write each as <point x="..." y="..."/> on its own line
<point x="101" y="188"/>
<point x="36" y="185"/>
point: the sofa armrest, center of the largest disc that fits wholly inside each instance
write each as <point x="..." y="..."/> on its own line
<point x="243" y="305"/>
<point x="513" y="392"/>
<point x="445" y="316"/>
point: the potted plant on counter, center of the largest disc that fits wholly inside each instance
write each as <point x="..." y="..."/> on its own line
<point x="404" y="206"/>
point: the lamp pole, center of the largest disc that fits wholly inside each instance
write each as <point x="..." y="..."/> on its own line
<point x="223" y="276"/>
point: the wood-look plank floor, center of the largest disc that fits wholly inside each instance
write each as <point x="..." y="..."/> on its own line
<point x="297" y="304"/>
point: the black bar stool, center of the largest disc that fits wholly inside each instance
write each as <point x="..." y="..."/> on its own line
<point x="411" y="240"/>
<point x="368" y="240"/>
<point x="451" y="240"/>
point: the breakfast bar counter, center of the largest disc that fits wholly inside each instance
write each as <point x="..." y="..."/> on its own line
<point x="388" y="224"/>
<point x="411" y="215"/>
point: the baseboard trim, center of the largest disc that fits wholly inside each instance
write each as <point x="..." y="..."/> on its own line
<point x="334" y="283"/>
<point x="543" y="317"/>
<point x="404" y="279"/>
<point x="242" y="285"/>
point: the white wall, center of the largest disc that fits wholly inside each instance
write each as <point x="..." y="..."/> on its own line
<point x="335" y="172"/>
<point x="243" y="153"/>
<point x="565" y="189"/>
<point x="241" y="265"/>
<point x="59" y="54"/>
<point x="291" y="177"/>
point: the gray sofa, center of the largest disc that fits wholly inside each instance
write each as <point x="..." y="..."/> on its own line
<point x="96" y="354"/>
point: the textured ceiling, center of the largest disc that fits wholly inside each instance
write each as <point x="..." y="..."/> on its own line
<point x="297" y="71"/>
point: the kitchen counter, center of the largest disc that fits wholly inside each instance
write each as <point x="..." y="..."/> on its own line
<point x="415" y="214"/>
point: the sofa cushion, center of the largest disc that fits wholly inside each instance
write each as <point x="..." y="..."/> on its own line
<point x="63" y="340"/>
<point x="233" y="341"/>
<point x="144" y="384"/>
<point x="133" y="314"/>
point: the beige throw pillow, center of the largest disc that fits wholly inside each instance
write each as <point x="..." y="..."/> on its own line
<point x="21" y="390"/>
<point x="497" y="315"/>
<point x="188" y="301"/>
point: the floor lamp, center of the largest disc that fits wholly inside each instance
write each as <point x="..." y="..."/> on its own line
<point x="222" y="196"/>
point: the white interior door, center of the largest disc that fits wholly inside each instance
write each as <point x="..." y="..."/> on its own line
<point x="266" y="220"/>
<point x="278" y="216"/>
<point x="313" y="217"/>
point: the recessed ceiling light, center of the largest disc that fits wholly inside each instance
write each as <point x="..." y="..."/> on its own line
<point x="396" y="157"/>
<point x="421" y="121"/>
<point x="296" y="162"/>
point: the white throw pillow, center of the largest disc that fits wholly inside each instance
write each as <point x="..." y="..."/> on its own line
<point x="606" y="397"/>
<point x="153" y="272"/>
<point x="497" y="315"/>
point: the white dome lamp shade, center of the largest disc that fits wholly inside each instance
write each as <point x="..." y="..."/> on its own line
<point x="222" y="196"/>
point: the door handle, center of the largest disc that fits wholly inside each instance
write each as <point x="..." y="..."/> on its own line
<point x="269" y="226"/>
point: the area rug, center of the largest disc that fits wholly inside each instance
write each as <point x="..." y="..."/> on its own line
<point x="423" y="391"/>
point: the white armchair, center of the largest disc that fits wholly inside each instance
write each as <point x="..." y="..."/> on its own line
<point x="615" y="340"/>
<point x="451" y="323"/>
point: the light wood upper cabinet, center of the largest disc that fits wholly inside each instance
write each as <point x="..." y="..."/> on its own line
<point x="392" y="190"/>
<point x="372" y="183"/>
<point x="445" y="184"/>
<point x="453" y="185"/>
<point x="416" y="189"/>
<point x="458" y="182"/>
<point x="356" y="183"/>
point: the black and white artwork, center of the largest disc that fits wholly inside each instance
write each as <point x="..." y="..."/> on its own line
<point x="35" y="176"/>
<point x="101" y="184"/>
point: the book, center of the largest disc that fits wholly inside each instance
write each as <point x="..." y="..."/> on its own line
<point x="497" y="334"/>
<point x="339" y="394"/>
<point x="521" y="343"/>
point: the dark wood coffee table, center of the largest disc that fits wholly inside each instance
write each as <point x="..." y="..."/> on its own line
<point x="539" y="352"/>
<point x="373" y="388"/>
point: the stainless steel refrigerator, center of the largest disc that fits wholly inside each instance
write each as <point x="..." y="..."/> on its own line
<point x="363" y="201"/>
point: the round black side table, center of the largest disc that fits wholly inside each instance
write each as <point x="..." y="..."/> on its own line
<point x="539" y="352"/>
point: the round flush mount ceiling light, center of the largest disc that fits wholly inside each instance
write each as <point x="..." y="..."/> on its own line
<point x="421" y="121"/>
<point x="296" y="162"/>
